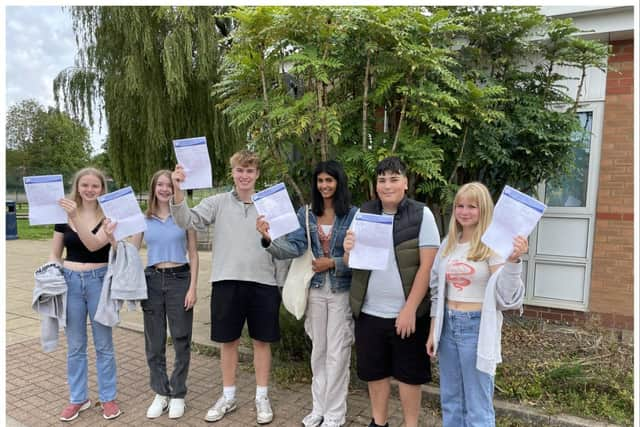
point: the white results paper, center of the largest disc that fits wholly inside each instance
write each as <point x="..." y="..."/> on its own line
<point x="374" y="240"/>
<point x="274" y="203"/>
<point x="193" y="155"/>
<point x="515" y="214"/>
<point x="43" y="194"/>
<point x="122" y="207"/>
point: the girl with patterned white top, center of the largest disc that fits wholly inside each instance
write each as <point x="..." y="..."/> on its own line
<point x="470" y="287"/>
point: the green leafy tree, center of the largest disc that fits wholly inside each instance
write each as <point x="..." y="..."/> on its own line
<point x="293" y="76"/>
<point x="517" y="120"/>
<point x="149" y="69"/>
<point x="21" y="122"/>
<point x="459" y="93"/>
<point x="101" y="160"/>
<point x="43" y="142"/>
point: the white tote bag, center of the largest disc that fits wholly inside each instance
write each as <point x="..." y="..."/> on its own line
<point x="296" y="287"/>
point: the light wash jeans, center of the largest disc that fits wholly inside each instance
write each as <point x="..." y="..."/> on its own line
<point x="83" y="294"/>
<point x="329" y="324"/>
<point x="466" y="394"/>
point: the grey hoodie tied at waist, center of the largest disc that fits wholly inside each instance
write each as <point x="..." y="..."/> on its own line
<point x="50" y="301"/>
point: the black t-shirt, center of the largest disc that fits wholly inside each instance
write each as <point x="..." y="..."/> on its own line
<point x="76" y="250"/>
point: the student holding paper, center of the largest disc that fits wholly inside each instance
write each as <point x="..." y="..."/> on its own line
<point x="390" y="305"/>
<point x="328" y="317"/>
<point x="243" y="278"/>
<point x="85" y="265"/>
<point x="172" y="282"/>
<point x="470" y="287"/>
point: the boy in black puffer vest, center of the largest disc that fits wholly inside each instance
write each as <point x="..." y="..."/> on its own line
<point x="391" y="305"/>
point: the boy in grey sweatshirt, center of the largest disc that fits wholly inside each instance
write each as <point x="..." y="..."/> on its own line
<point x="243" y="279"/>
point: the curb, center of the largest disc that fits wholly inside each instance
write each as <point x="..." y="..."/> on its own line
<point x="527" y="415"/>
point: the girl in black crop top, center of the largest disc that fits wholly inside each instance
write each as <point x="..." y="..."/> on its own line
<point x="84" y="237"/>
<point x="85" y="265"/>
<point x="77" y="251"/>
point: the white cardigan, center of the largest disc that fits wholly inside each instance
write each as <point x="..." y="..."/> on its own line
<point x="505" y="291"/>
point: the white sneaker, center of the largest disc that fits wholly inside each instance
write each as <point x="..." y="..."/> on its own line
<point x="222" y="407"/>
<point x="331" y="423"/>
<point x="312" y="420"/>
<point x="158" y="406"/>
<point x="176" y="408"/>
<point x="263" y="411"/>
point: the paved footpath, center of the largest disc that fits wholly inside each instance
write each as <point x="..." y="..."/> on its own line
<point x="36" y="389"/>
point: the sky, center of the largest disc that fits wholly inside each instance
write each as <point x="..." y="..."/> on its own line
<point x="39" y="44"/>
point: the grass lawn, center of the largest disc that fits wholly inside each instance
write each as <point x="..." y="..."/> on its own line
<point x="35" y="232"/>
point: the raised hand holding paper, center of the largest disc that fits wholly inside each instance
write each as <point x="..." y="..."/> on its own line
<point x="122" y="207"/>
<point x="43" y="193"/>
<point x="274" y="203"/>
<point x="515" y="214"/>
<point x="374" y="238"/>
<point x="193" y="155"/>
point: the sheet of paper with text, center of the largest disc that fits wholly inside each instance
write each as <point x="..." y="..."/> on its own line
<point x="515" y="214"/>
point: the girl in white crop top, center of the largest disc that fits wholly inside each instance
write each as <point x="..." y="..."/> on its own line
<point x="469" y="288"/>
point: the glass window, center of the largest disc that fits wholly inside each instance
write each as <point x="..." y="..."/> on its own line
<point x="571" y="191"/>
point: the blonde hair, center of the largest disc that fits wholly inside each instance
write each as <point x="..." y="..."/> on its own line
<point x="479" y="194"/>
<point x="152" y="205"/>
<point x="75" y="194"/>
<point x="245" y="158"/>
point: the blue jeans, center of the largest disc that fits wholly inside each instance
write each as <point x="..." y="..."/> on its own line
<point x="83" y="294"/>
<point x="166" y="292"/>
<point x="466" y="394"/>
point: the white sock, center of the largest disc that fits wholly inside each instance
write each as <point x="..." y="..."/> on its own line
<point x="261" y="392"/>
<point x="229" y="392"/>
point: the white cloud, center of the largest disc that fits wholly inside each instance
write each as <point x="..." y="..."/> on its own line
<point x="39" y="44"/>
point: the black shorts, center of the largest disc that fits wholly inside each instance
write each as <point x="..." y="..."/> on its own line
<point x="234" y="301"/>
<point x="381" y="353"/>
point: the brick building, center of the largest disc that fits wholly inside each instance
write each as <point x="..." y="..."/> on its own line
<point x="580" y="264"/>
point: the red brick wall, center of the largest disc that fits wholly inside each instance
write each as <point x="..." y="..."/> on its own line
<point x="611" y="296"/>
<point x="571" y="317"/>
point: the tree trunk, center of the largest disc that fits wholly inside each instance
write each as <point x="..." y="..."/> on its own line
<point x="273" y="145"/>
<point x="583" y="76"/>
<point x="365" y="100"/>
<point x="457" y="164"/>
<point x="402" y="113"/>
<point x="322" y="135"/>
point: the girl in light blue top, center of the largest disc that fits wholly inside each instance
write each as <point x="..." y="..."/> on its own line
<point x="172" y="280"/>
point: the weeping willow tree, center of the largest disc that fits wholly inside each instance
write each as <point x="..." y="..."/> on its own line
<point x="149" y="69"/>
